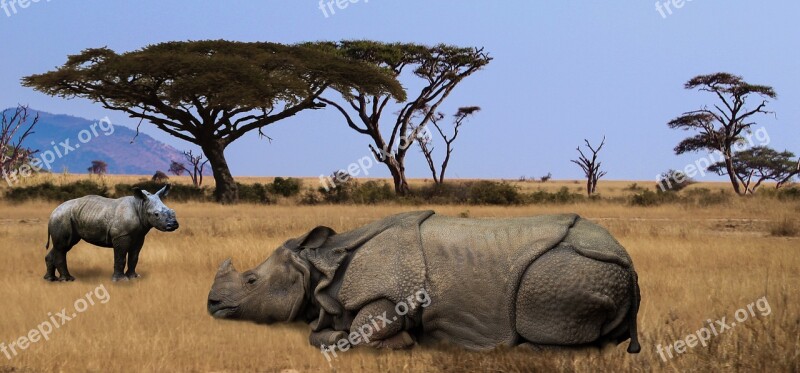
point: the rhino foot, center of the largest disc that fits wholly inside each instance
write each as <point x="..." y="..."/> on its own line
<point x="133" y="275"/>
<point x="66" y="278"/>
<point x="50" y="278"/>
<point x="119" y="277"/>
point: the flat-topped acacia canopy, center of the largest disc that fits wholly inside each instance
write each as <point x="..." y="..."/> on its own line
<point x="212" y="92"/>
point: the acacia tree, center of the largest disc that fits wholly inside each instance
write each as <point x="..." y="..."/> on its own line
<point x="590" y="166"/>
<point x="426" y="142"/>
<point x="98" y="168"/>
<point x="177" y="168"/>
<point x="438" y="69"/>
<point x="15" y="126"/>
<point x="211" y="93"/>
<point x="759" y="164"/>
<point x="719" y="129"/>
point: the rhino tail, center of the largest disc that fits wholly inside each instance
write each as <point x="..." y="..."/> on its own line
<point x="634" y="346"/>
<point x="47" y="246"/>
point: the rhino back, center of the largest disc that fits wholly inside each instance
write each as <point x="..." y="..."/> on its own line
<point x="474" y="267"/>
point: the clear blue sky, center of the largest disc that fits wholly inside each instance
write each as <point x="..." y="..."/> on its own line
<point x="563" y="71"/>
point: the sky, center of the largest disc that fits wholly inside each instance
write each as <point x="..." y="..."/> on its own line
<point x="562" y="72"/>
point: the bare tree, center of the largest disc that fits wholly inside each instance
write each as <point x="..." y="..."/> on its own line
<point x="426" y="144"/>
<point x="15" y="127"/>
<point x="590" y="166"/>
<point x="98" y="168"/>
<point x="177" y="168"/>
<point x="198" y="165"/>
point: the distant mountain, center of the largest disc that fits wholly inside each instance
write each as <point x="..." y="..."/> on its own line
<point x="90" y="140"/>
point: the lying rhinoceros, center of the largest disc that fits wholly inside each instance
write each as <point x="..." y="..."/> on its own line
<point x="119" y="223"/>
<point x="547" y="280"/>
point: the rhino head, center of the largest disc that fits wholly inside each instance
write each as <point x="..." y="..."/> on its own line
<point x="154" y="211"/>
<point x="277" y="290"/>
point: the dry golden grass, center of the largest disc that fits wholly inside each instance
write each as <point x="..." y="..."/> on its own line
<point x="694" y="264"/>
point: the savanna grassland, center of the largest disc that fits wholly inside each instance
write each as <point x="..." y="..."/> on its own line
<point x="695" y="263"/>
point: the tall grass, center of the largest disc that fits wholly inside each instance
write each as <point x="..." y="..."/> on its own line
<point x="695" y="263"/>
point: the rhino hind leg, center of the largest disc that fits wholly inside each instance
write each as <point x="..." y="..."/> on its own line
<point x="60" y="261"/>
<point x="56" y="259"/>
<point x="567" y="299"/>
<point x="49" y="260"/>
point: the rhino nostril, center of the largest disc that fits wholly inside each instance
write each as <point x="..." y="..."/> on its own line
<point x="213" y="303"/>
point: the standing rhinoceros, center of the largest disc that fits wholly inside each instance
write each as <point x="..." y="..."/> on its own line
<point x="119" y="223"/>
<point x="547" y="280"/>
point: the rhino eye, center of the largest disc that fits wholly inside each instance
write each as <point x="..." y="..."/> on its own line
<point x="251" y="280"/>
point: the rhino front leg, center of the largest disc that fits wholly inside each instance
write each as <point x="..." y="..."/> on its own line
<point x="133" y="259"/>
<point x="121" y="246"/>
<point x="328" y="337"/>
<point x="378" y="325"/>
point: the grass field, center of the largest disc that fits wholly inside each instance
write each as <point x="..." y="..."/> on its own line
<point x="694" y="263"/>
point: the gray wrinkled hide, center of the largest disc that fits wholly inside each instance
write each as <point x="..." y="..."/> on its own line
<point x="546" y="280"/>
<point x="119" y="223"/>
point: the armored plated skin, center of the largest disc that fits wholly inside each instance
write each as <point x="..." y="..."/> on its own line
<point x="547" y="280"/>
<point x="121" y="224"/>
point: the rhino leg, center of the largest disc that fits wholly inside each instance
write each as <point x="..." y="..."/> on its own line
<point x="379" y="326"/>
<point x="60" y="261"/>
<point x="49" y="260"/>
<point x="568" y="299"/>
<point x="121" y="245"/>
<point x="64" y="238"/>
<point x="133" y="259"/>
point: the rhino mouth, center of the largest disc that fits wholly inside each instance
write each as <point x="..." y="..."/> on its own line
<point x="220" y="311"/>
<point x="171" y="227"/>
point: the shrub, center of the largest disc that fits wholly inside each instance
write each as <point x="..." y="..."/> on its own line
<point x="254" y="193"/>
<point x="159" y="177"/>
<point x="562" y="196"/>
<point x="310" y="197"/>
<point x="785" y="227"/>
<point x="177" y="193"/>
<point x="648" y="198"/>
<point x="705" y="197"/>
<point x="789" y="194"/>
<point x="350" y="191"/>
<point x="487" y="192"/>
<point x="673" y="181"/>
<point x="50" y="192"/>
<point x="372" y="192"/>
<point x="286" y="187"/>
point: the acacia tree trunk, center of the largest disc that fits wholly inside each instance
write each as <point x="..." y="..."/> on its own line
<point x="397" y="170"/>
<point x="226" y="191"/>
<point x="732" y="173"/>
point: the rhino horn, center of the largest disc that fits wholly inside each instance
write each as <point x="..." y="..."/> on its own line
<point x="226" y="267"/>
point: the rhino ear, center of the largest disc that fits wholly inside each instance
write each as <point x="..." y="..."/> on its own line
<point x="164" y="191"/>
<point x="140" y="194"/>
<point x="311" y="240"/>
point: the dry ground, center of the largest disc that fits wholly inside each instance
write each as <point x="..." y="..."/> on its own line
<point x="694" y="264"/>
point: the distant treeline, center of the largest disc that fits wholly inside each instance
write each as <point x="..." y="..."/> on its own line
<point x="484" y="192"/>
